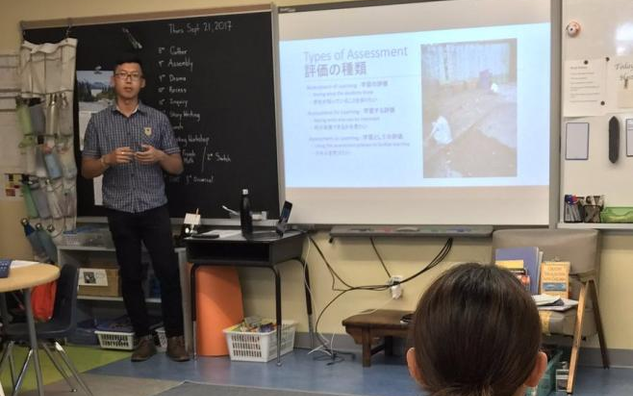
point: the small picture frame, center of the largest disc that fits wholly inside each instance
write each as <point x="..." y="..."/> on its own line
<point x="93" y="277"/>
<point x="89" y="278"/>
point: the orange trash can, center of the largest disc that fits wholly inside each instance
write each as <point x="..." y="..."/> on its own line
<point x="218" y="305"/>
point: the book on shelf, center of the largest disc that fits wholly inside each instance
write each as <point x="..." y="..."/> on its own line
<point x="555" y="278"/>
<point x="527" y="258"/>
<point x="512" y="265"/>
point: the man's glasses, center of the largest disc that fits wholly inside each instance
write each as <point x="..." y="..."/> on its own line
<point x="125" y="75"/>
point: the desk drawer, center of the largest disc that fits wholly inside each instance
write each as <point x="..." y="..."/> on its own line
<point x="227" y="251"/>
<point x="237" y="252"/>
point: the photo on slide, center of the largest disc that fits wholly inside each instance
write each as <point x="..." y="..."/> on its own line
<point x="469" y="109"/>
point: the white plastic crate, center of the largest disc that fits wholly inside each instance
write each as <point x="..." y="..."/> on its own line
<point x="116" y="340"/>
<point x="88" y="237"/>
<point x="260" y="347"/>
<point x="76" y="239"/>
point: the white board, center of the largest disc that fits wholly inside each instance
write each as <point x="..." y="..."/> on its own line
<point x="606" y="32"/>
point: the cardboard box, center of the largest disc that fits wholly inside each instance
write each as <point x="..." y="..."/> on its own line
<point x="102" y="282"/>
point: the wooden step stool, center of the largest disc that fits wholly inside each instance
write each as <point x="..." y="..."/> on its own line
<point x="369" y="328"/>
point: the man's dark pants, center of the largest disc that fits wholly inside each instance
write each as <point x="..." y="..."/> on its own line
<point x="153" y="228"/>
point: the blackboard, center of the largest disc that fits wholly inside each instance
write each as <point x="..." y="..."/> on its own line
<point x="214" y="78"/>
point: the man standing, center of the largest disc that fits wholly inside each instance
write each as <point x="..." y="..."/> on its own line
<point x="131" y="144"/>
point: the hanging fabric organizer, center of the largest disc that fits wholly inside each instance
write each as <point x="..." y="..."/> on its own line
<point x="45" y="116"/>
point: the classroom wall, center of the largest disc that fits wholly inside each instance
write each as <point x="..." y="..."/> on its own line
<point x="353" y="259"/>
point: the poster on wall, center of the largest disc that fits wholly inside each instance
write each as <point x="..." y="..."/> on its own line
<point x="95" y="93"/>
<point x="11" y="187"/>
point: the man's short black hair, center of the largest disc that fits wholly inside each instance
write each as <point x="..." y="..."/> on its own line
<point x="128" y="58"/>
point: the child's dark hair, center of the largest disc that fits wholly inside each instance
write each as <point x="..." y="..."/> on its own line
<point x="127" y="58"/>
<point x="476" y="332"/>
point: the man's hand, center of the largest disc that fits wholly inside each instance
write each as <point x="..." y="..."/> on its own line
<point x="120" y="155"/>
<point x="149" y="155"/>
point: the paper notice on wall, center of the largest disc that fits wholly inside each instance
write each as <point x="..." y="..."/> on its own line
<point x="584" y="88"/>
<point x="97" y="182"/>
<point x="620" y="83"/>
<point x="11" y="187"/>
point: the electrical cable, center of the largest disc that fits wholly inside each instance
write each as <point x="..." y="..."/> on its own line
<point x="371" y="239"/>
<point x="436" y="260"/>
<point x="307" y="286"/>
<point x="334" y="355"/>
<point x="323" y="342"/>
<point x="323" y="347"/>
<point x="335" y="276"/>
<point x="330" y="269"/>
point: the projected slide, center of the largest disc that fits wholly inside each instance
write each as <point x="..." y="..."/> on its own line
<point x="445" y="108"/>
<point x="469" y="100"/>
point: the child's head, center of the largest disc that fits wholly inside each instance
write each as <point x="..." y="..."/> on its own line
<point x="476" y="332"/>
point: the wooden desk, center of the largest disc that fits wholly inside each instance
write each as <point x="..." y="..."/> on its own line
<point x="24" y="278"/>
<point x="240" y="252"/>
